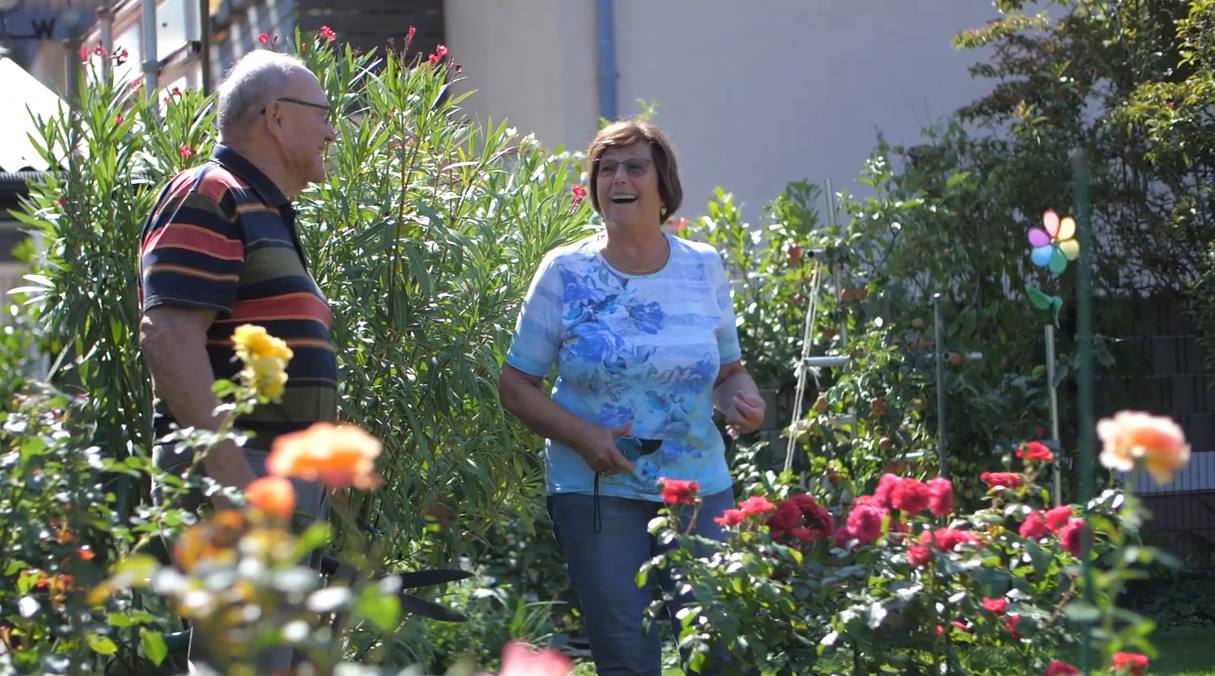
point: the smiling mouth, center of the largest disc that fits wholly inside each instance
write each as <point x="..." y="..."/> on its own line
<point x="623" y="199"/>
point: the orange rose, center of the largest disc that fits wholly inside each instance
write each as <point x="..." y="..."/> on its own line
<point x="337" y="455"/>
<point x="213" y="540"/>
<point x="1134" y="438"/>
<point x="273" y="495"/>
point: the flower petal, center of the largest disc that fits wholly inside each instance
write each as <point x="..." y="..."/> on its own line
<point x="1070" y="249"/>
<point x="1038" y="237"/>
<point x="1050" y="221"/>
<point x="1058" y="262"/>
<point x="1041" y="255"/>
<point x="1067" y="229"/>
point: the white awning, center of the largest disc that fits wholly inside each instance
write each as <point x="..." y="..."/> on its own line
<point x="23" y="94"/>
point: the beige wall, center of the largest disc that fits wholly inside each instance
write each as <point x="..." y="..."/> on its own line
<point x="755" y="94"/>
<point x="532" y="61"/>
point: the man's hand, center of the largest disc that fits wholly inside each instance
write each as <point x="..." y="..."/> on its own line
<point x="600" y="452"/>
<point x="226" y="465"/>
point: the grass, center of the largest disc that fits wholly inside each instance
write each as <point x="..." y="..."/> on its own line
<point x="1185" y="652"/>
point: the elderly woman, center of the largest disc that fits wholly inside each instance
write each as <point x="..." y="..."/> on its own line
<point x="640" y="326"/>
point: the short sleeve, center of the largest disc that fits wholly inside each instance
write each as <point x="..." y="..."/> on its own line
<point x="727" y="331"/>
<point x="192" y="255"/>
<point x="537" y="338"/>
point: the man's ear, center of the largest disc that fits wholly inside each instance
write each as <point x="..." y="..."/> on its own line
<point x="273" y="122"/>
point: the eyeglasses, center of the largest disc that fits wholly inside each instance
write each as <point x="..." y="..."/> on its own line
<point x="300" y="102"/>
<point x="634" y="166"/>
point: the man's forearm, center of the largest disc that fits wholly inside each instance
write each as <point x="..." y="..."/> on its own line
<point x="181" y="372"/>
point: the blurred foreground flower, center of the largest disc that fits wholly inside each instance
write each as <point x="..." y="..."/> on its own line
<point x="519" y="659"/>
<point x="1135" y="438"/>
<point x="340" y="456"/>
<point x="272" y="496"/>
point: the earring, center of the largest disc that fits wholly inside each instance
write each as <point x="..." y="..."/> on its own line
<point x="663" y="212"/>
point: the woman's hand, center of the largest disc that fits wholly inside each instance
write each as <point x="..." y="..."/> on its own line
<point x="600" y="452"/>
<point x="744" y="413"/>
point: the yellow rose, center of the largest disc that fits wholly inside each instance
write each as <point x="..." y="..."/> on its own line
<point x="253" y="342"/>
<point x="267" y="376"/>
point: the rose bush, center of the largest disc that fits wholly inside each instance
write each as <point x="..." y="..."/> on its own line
<point x="897" y="580"/>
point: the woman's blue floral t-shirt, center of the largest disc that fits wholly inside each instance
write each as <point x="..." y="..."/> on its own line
<point x="645" y="348"/>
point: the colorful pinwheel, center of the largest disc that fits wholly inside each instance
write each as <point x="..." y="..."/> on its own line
<point x="1055" y="243"/>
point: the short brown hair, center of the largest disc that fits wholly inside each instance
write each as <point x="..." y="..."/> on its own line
<point x="628" y="132"/>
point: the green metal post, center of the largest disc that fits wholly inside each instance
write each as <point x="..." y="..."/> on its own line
<point x="939" y="357"/>
<point x="1084" y="374"/>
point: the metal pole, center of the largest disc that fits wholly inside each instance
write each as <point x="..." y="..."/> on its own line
<point x="1084" y="371"/>
<point x="939" y="357"/>
<point x="1054" y="408"/>
<point x="105" y="20"/>
<point x="204" y="45"/>
<point x="151" y="62"/>
<point x="605" y="28"/>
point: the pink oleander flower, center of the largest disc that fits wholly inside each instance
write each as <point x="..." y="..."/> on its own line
<point x="326" y="33"/>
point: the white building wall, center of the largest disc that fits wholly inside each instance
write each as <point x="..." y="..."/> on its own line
<point x="754" y="94"/>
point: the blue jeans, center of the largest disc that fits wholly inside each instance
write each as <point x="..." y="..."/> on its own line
<point x="603" y="567"/>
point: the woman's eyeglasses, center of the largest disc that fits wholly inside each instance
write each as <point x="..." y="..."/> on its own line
<point x="634" y="166"/>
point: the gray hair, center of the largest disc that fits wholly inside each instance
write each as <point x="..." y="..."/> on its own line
<point x="251" y="84"/>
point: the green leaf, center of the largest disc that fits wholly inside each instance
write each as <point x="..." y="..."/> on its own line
<point x="153" y="644"/>
<point x="383" y="610"/>
<point x="101" y="645"/>
<point x="1079" y="611"/>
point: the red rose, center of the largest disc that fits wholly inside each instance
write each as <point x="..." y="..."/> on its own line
<point x="1033" y="450"/>
<point x="806" y="503"/>
<point x="1005" y="479"/>
<point x="1010" y="623"/>
<point x="803" y="534"/>
<point x="918" y="555"/>
<point x="730" y="517"/>
<point x="1130" y="663"/>
<point x="865" y="522"/>
<point x="997" y="606"/>
<point x="940" y="496"/>
<point x="1034" y="527"/>
<point x="885" y="485"/>
<point x="786" y="517"/>
<point x="910" y="496"/>
<point x="675" y="491"/>
<point x="756" y="504"/>
<point x="1058" y="517"/>
<point x="1060" y="668"/>
<point x="947" y="539"/>
<point x="1070" y="536"/>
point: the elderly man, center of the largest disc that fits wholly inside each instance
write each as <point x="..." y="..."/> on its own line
<point x="220" y="249"/>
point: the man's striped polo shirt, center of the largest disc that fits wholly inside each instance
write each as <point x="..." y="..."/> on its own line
<point x="222" y="236"/>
